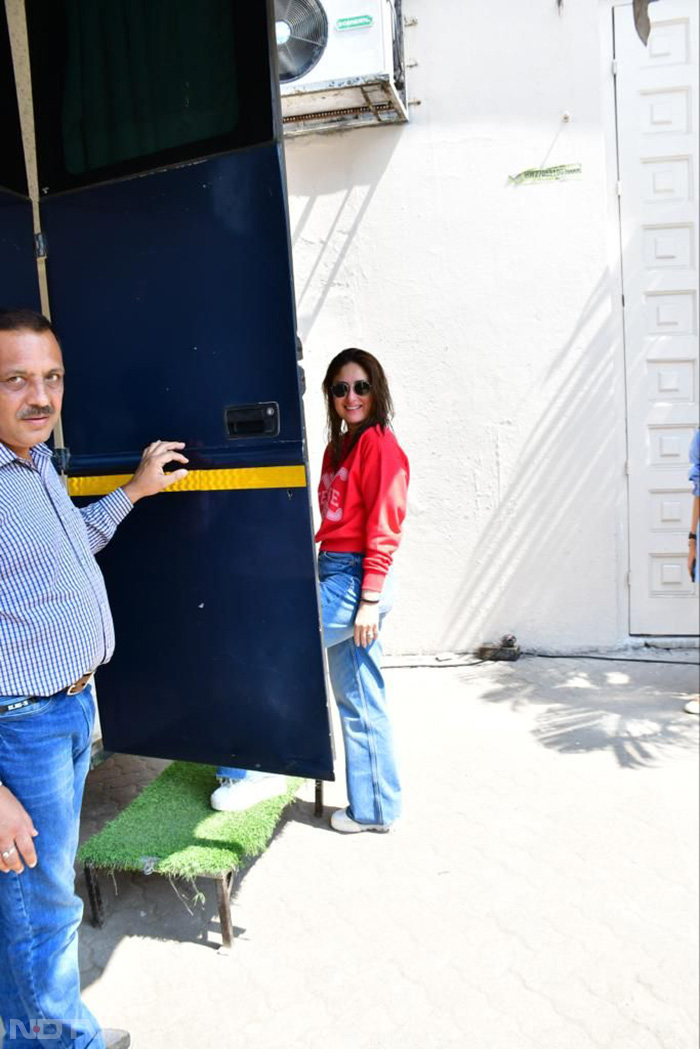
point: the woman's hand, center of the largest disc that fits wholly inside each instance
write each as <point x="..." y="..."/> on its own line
<point x="692" y="556"/>
<point x="367" y="623"/>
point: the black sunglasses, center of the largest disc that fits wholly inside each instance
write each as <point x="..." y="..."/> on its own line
<point x="361" y="387"/>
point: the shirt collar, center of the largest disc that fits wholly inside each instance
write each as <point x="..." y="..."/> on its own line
<point x="40" y="452"/>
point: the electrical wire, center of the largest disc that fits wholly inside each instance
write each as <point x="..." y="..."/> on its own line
<point x="620" y="659"/>
<point x="538" y="655"/>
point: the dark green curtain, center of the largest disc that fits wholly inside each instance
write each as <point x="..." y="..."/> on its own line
<point x="146" y="75"/>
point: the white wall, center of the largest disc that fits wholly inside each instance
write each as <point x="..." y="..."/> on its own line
<point x="495" y="310"/>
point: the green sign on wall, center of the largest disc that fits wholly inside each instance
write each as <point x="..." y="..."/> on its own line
<point x="358" y="22"/>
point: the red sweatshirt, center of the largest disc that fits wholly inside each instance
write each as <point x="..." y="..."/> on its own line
<point x="363" y="503"/>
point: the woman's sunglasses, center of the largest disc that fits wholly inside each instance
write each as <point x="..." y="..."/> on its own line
<point x="361" y="387"/>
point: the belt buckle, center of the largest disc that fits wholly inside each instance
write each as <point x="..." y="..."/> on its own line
<point x="78" y="685"/>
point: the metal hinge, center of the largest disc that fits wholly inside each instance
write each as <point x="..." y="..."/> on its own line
<point x="629" y="579"/>
<point x="614" y="66"/>
<point x="41" y="248"/>
<point x="627" y="467"/>
<point x="618" y="188"/>
<point x="61" y="458"/>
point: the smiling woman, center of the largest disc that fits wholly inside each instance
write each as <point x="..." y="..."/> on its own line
<point x="357" y="396"/>
<point x="362" y="495"/>
<point x="352" y="396"/>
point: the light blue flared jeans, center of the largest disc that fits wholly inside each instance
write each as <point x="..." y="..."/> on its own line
<point x="374" y="791"/>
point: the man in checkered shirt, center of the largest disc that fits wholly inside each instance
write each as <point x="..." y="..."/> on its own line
<point x="55" y="630"/>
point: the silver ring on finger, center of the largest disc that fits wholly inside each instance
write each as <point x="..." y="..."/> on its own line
<point x="8" y="852"/>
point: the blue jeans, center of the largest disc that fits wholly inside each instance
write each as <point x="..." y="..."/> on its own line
<point x="44" y="759"/>
<point x="374" y="792"/>
<point x="251" y="775"/>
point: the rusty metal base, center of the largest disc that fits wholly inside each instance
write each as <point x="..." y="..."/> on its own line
<point x="223" y="882"/>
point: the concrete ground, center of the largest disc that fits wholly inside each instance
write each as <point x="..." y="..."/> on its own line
<point x="541" y="892"/>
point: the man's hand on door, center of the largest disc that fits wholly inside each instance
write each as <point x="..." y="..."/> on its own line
<point x="150" y="477"/>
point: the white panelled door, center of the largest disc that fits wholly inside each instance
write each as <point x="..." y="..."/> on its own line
<point x="657" y="121"/>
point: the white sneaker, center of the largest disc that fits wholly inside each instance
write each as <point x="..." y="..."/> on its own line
<point x="115" y="1039"/>
<point x="237" y="795"/>
<point x="343" y="822"/>
<point x="692" y="706"/>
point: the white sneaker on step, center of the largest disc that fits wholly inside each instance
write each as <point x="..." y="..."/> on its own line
<point x="115" y="1039"/>
<point x="342" y="821"/>
<point x="692" y="706"/>
<point x="237" y="795"/>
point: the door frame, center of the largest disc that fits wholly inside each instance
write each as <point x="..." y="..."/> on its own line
<point x="616" y="262"/>
<point x="617" y="320"/>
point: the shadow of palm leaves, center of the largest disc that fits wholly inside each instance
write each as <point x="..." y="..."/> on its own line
<point x="581" y="711"/>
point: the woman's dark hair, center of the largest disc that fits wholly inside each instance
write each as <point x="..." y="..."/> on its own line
<point x="382" y="407"/>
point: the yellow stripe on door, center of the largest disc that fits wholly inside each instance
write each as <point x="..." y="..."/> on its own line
<point x="202" y="480"/>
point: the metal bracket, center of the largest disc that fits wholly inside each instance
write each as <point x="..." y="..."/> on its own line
<point x="318" y="798"/>
<point x="61" y="458"/>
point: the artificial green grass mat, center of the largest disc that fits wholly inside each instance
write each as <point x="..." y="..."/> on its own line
<point x="171" y="829"/>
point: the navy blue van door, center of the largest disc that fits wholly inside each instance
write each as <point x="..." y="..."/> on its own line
<point x="164" y="210"/>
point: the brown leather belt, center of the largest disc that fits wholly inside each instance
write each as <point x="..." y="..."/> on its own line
<point x="27" y="701"/>
<point x="80" y="684"/>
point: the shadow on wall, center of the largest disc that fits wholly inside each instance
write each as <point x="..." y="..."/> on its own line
<point x="517" y="542"/>
<point x="560" y="496"/>
<point x="634" y="713"/>
<point x="345" y="191"/>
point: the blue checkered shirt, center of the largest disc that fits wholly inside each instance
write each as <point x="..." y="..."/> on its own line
<point x="55" y="622"/>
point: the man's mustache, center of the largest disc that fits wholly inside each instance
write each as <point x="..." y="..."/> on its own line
<point x="37" y="413"/>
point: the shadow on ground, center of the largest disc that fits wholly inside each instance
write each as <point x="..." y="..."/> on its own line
<point x="633" y="711"/>
<point x="139" y="904"/>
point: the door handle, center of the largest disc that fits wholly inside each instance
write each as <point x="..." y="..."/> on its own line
<point x="252" y="420"/>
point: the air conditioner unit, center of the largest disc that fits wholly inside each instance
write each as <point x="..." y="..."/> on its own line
<point x="341" y="63"/>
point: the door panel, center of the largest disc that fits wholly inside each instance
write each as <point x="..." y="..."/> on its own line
<point x="172" y="292"/>
<point x="176" y="289"/>
<point x="218" y="652"/>
<point x="657" y="119"/>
